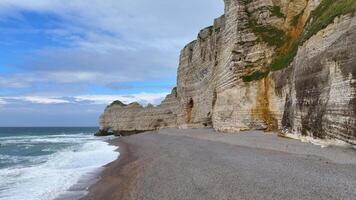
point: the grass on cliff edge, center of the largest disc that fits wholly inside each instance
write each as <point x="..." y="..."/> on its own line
<point x="325" y="14"/>
<point x="267" y="33"/>
<point x="117" y="102"/>
<point x="319" y="19"/>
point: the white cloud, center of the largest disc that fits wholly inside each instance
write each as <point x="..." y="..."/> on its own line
<point x="133" y="20"/>
<point x="45" y="100"/>
<point x="143" y="98"/>
<point x="27" y="80"/>
<point x="82" y="76"/>
<point x="92" y="43"/>
<point x="36" y="99"/>
<point x="114" y="15"/>
<point x="17" y="80"/>
<point x="105" y="41"/>
<point x="2" y="102"/>
<point x="127" y="25"/>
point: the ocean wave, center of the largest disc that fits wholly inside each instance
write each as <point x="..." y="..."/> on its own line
<point x="6" y="160"/>
<point x="74" y="138"/>
<point x="58" y="173"/>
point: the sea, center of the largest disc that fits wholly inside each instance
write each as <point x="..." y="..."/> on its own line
<point x="46" y="163"/>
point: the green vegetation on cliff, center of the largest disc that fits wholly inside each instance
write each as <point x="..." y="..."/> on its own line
<point x="325" y="14"/>
<point x="174" y="90"/>
<point x="295" y="19"/>
<point x="246" y="1"/>
<point x="284" y="59"/>
<point x="267" y="33"/>
<point x="319" y="19"/>
<point x="276" y="11"/>
<point x="117" y="102"/>
<point x="257" y="75"/>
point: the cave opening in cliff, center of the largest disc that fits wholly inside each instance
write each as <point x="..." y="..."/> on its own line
<point x="189" y="110"/>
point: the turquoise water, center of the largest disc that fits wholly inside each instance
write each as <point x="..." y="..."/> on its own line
<point x="42" y="163"/>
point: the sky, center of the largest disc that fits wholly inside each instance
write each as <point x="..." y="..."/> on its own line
<point x="63" y="61"/>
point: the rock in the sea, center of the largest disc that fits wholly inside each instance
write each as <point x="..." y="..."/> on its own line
<point x="103" y="132"/>
<point x="287" y="66"/>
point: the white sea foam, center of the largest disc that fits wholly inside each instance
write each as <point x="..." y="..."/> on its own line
<point x="60" y="171"/>
<point x="43" y="139"/>
<point x="19" y="159"/>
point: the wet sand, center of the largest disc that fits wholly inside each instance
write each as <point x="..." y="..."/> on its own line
<point x="200" y="164"/>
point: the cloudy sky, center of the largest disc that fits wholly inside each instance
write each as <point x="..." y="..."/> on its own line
<point x="63" y="61"/>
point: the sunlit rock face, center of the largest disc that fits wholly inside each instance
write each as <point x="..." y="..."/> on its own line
<point x="121" y="119"/>
<point x="195" y="85"/>
<point x="263" y="65"/>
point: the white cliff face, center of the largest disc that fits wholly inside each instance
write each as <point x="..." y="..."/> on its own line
<point x="195" y="79"/>
<point x="133" y="118"/>
<point x="321" y="88"/>
<point x="225" y="80"/>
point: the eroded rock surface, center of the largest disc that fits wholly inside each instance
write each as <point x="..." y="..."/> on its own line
<point x="230" y="77"/>
<point x="121" y="119"/>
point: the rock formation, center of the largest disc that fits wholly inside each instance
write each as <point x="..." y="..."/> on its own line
<point x="121" y="119"/>
<point x="282" y="65"/>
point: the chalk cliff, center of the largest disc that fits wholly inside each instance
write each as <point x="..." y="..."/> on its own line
<point x="121" y="119"/>
<point x="282" y="65"/>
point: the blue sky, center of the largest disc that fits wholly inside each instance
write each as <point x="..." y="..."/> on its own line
<point x="62" y="62"/>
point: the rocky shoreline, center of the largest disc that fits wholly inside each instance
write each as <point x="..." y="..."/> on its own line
<point x="108" y="132"/>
